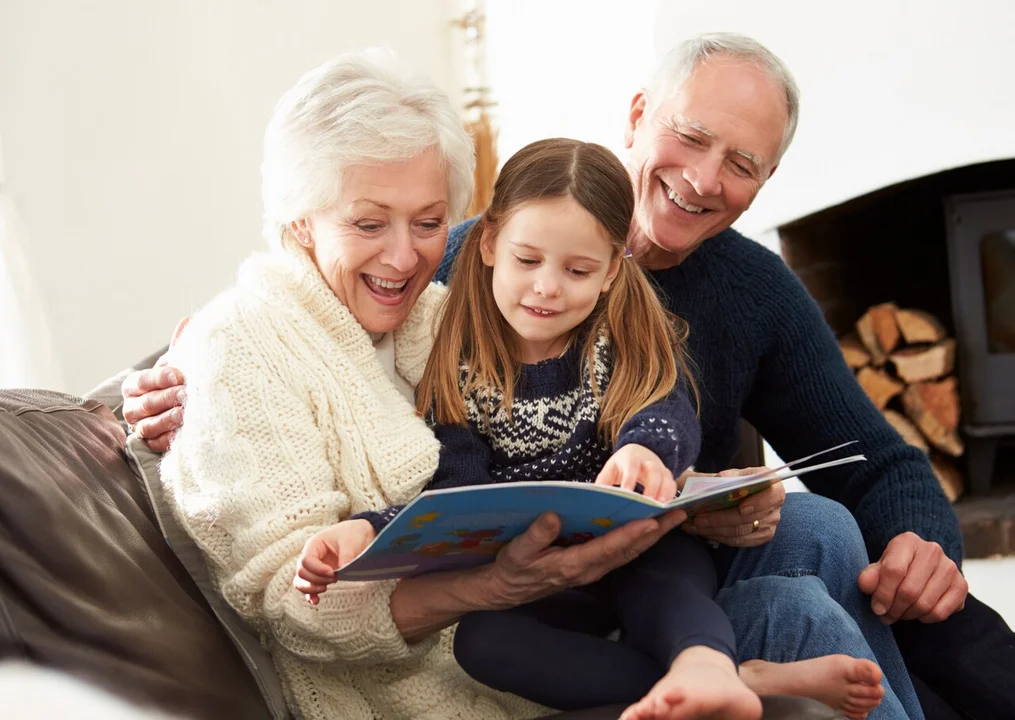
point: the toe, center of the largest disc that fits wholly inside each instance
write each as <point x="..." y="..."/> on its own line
<point x="867" y="672"/>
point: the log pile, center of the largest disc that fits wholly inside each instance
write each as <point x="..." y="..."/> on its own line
<point x="905" y="363"/>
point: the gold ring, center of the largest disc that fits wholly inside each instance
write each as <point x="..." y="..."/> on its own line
<point x="757" y="524"/>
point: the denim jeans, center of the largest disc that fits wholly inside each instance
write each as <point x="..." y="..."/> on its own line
<point x="807" y="573"/>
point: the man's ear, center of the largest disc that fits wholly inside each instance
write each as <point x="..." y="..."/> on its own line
<point x="303" y="232"/>
<point x="772" y="171"/>
<point x="635" y="117"/>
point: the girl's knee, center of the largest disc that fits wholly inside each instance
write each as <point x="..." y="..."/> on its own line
<point x="481" y="639"/>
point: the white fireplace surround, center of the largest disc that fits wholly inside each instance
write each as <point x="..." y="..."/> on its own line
<point x="891" y="90"/>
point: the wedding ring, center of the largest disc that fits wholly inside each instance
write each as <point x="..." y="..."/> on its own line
<point x="757" y="524"/>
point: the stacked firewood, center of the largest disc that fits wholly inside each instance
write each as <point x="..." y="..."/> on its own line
<point x="905" y="363"/>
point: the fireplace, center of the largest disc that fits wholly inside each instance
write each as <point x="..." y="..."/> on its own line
<point x="981" y="259"/>
<point x="943" y="244"/>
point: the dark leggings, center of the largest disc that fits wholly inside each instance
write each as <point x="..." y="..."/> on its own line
<point x="556" y="652"/>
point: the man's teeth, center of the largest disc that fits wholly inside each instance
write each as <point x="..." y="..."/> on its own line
<point x="683" y="204"/>
<point x="390" y="285"/>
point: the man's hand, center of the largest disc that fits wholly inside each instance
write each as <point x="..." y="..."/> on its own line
<point x="153" y="400"/>
<point x="736" y="526"/>
<point x="637" y="465"/>
<point x="914" y="580"/>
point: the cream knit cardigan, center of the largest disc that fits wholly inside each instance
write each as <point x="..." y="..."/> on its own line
<point x="291" y="425"/>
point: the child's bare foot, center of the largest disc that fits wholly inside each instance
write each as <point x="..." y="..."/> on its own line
<point x="850" y="685"/>
<point x="701" y="683"/>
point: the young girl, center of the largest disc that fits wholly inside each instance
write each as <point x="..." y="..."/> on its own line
<point x="555" y="360"/>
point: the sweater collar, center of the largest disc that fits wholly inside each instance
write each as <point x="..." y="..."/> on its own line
<point x="289" y="280"/>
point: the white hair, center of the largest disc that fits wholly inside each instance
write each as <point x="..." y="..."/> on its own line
<point x="359" y="108"/>
<point x="678" y="65"/>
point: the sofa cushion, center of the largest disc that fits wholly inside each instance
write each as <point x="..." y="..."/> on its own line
<point x="87" y="584"/>
<point x="146" y="465"/>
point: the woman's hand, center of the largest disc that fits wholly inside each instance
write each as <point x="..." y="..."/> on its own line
<point x="326" y="552"/>
<point x="153" y="400"/>
<point x="637" y="465"/>
<point x="752" y="522"/>
<point x="530" y="567"/>
<point x="527" y="569"/>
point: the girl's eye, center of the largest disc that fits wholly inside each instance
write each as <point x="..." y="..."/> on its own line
<point x="525" y="261"/>
<point x="581" y="273"/>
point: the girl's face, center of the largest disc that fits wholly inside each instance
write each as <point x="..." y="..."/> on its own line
<point x="551" y="261"/>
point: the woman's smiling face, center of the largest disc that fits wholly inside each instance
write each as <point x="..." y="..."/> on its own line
<point x="379" y="246"/>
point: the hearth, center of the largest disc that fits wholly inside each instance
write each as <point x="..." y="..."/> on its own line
<point x="944" y="245"/>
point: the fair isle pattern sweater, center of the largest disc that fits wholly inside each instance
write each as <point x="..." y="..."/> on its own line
<point x="763" y="351"/>
<point x="551" y="433"/>
<point x="292" y="425"/>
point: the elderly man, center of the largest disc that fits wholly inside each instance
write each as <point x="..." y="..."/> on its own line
<point x="705" y="136"/>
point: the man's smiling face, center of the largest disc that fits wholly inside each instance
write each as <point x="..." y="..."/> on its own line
<point x="700" y="156"/>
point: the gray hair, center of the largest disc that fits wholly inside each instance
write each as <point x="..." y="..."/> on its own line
<point x="359" y="108"/>
<point x="678" y="65"/>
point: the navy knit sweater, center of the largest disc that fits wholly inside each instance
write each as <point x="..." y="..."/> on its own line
<point x="551" y="433"/>
<point x="763" y="351"/>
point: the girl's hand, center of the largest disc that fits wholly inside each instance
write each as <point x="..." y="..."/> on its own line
<point x="637" y="465"/>
<point x="326" y="552"/>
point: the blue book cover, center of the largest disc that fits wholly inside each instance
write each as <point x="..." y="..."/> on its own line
<point x="464" y="527"/>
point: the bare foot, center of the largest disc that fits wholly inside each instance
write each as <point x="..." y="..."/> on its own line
<point x="850" y="685"/>
<point x="701" y="683"/>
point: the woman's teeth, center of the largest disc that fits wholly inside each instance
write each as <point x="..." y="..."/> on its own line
<point x="386" y="284"/>
<point x="683" y="204"/>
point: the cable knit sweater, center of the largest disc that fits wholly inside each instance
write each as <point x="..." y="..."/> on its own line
<point x="292" y="425"/>
<point x="764" y="352"/>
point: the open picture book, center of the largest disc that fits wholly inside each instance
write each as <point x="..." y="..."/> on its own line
<point x="464" y="527"/>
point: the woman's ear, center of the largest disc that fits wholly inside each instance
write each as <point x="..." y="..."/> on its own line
<point x="612" y="273"/>
<point x="303" y="232"/>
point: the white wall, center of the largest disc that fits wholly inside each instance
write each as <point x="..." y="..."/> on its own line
<point x="132" y="133"/>
<point x="567" y="68"/>
<point x="891" y="89"/>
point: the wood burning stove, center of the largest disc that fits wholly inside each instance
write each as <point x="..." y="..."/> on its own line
<point x="981" y="261"/>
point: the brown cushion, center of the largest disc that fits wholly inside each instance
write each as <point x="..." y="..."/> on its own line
<point x="87" y="584"/>
<point x="145" y="464"/>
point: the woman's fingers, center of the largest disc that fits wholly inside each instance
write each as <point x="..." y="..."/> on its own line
<point x="527" y="547"/>
<point x="529" y="568"/>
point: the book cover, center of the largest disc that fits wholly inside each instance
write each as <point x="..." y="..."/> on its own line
<point x="464" y="527"/>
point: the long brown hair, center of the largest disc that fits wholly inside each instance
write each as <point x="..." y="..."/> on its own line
<point x="646" y="342"/>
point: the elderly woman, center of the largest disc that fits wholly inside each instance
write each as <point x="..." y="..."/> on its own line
<point x="299" y="412"/>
